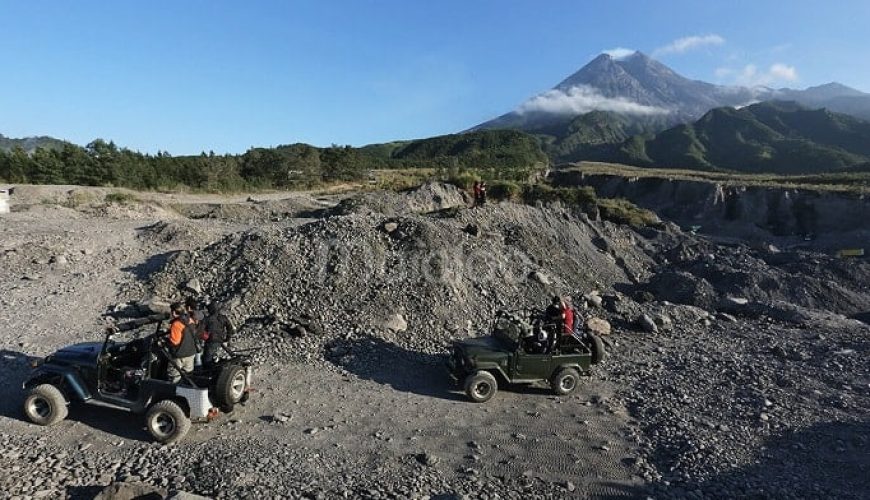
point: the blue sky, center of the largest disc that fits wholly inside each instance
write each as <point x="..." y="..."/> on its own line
<point x="190" y="76"/>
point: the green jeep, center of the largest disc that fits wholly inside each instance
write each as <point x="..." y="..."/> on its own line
<point x="509" y="356"/>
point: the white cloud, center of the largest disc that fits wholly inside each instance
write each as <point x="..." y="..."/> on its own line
<point x="618" y="52"/>
<point x="583" y="99"/>
<point x="783" y="72"/>
<point x="750" y="76"/>
<point x="685" y="44"/>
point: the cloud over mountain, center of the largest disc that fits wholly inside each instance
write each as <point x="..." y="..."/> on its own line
<point x="688" y="43"/>
<point x="582" y="99"/>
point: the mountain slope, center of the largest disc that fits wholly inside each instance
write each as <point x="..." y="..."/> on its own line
<point x="642" y="96"/>
<point x="778" y="137"/>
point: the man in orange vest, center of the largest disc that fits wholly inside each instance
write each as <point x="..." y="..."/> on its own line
<point x="181" y="342"/>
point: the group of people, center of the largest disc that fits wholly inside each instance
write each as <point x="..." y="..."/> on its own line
<point x="479" y="191"/>
<point x="195" y="336"/>
<point x="560" y="318"/>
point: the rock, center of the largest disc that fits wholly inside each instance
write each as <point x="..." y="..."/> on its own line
<point x="396" y="323"/>
<point x="593" y="299"/>
<point x="647" y="324"/>
<point x="182" y="495"/>
<point x="390" y="227"/>
<point x="472" y="229"/>
<point x="570" y="486"/>
<point x="726" y="317"/>
<point x="540" y="278"/>
<point x="598" y="326"/>
<point x="59" y="260"/>
<point x="131" y="491"/>
<point x="682" y="287"/>
<point x="663" y="321"/>
<point x="194" y="286"/>
<point x="427" y="459"/>
<point x="153" y="305"/>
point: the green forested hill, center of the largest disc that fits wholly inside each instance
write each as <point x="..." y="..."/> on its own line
<point x="496" y="154"/>
<point x="777" y="137"/>
<point x="30" y="144"/>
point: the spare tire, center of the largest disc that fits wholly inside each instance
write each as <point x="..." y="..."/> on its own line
<point x="230" y="386"/>
<point x="597" y="347"/>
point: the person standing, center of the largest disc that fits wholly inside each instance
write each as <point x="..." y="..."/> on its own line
<point x="218" y="330"/>
<point x="567" y="316"/>
<point x="475" y="189"/>
<point x="182" y="344"/>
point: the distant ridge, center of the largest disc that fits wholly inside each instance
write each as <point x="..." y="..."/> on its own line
<point x="777" y="136"/>
<point x="639" y="95"/>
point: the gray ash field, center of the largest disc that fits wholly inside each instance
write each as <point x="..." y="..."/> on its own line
<point x="752" y="383"/>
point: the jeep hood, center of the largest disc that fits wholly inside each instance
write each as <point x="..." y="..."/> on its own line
<point x="483" y="344"/>
<point x="84" y="353"/>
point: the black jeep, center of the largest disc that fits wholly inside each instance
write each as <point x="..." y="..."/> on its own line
<point x="511" y="355"/>
<point x="131" y="374"/>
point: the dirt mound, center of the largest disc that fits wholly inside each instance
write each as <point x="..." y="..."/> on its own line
<point x="416" y="280"/>
<point x="698" y="272"/>
<point x="428" y="198"/>
<point x="179" y="233"/>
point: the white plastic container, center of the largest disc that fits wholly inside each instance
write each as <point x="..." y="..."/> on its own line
<point x="4" y="201"/>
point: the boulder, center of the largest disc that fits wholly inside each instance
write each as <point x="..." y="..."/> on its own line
<point x="647" y="324"/>
<point x="593" y="299"/>
<point x="598" y="326"/>
<point x="194" y="286"/>
<point x="153" y="305"/>
<point x="540" y="277"/>
<point x="396" y="323"/>
<point x="183" y="495"/>
<point x="131" y="491"/>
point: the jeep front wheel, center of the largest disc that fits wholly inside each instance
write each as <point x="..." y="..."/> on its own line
<point x="565" y="381"/>
<point x="480" y="387"/>
<point x="45" y="405"/>
<point x="167" y="422"/>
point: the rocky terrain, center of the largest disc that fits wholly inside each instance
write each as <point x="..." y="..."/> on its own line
<point x="734" y="371"/>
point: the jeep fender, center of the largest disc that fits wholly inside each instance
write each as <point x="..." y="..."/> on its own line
<point x="575" y="366"/>
<point x="493" y="368"/>
<point x="68" y="381"/>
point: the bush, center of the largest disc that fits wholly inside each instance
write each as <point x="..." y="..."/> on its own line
<point x="120" y="198"/>
<point x="463" y="180"/>
<point x="624" y="212"/>
<point x="504" y="190"/>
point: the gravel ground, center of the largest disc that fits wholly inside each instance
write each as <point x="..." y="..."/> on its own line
<point x="354" y="306"/>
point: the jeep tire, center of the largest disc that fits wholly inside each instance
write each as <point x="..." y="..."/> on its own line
<point x="45" y="405"/>
<point x="166" y="422"/>
<point x="230" y="386"/>
<point x="480" y="386"/>
<point x="565" y="381"/>
<point x="596" y="345"/>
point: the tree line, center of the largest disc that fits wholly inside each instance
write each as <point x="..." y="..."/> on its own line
<point x="496" y="154"/>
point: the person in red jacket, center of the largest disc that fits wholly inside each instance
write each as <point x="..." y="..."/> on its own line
<point x="567" y="316"/>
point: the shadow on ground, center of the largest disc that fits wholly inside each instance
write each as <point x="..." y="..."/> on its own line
<point x="153" y="264"/>
<point x="826" y="460"/>
<point x="375" y="359"/>
<point x="15" y="371"/>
